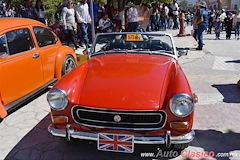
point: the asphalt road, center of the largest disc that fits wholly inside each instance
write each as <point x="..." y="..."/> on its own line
<point x="212" y="73"/>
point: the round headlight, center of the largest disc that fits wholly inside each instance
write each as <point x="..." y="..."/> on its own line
<point x="181" y="105"/>
<point x="57" y="98"/>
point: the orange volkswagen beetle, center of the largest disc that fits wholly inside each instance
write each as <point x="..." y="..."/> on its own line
<point x="131" y="90"/>
<point x="31" y="58"/>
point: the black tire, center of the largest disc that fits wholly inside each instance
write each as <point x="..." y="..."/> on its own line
<point x="1" y="120"/>
<point x="68" y="64"/>
<point x="180" y="146"/>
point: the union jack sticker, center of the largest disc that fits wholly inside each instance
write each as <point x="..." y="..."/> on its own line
<point x="115" y="142"/>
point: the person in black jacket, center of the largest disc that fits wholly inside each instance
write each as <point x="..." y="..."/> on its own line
<point x="228" y="25"/>
<point x="26" y="10"/>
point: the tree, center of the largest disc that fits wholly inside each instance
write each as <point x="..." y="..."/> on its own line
<point x="183" y="3"/>
<point x="50" y="7"/>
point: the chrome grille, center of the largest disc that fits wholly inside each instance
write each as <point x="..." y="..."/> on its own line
<point x="129" y="119"/>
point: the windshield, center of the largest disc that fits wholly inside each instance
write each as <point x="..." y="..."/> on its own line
<point x="132" y="42"/>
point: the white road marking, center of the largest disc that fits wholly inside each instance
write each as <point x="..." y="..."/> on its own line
<point x="209" y="98"/>
<point x="221" y="63"/>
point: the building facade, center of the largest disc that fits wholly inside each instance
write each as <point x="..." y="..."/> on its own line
<point x="235" y="4"/>
<point x="223" y="4"/>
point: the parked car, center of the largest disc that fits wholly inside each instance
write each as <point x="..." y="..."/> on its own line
<point x="131" y="90"/>
<point x="231" y="11"/>
<point x="31" y="58"/>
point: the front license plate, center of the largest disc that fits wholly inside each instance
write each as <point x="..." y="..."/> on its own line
<point x="116" y="142"/>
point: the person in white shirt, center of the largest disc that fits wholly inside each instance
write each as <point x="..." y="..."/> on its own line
<point x="84" y="21"/>
<point x="40" y="11"/>
<point x="175" y="9"/>
<point x="105" y="23"/>
<point x="165" y="12"/>
<point x="11" y="12"/>
<point x="132" y="15"/>
<point x="223" y="16"/>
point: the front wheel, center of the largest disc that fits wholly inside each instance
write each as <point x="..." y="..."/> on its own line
<point x="68" y="64"/>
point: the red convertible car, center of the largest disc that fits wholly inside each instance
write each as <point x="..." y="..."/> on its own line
<point x="131" y="90"/>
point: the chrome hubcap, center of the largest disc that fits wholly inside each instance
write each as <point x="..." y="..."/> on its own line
<point x="70" y="64"/>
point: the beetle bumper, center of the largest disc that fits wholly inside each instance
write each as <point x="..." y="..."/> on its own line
<point x="69" y="133"/>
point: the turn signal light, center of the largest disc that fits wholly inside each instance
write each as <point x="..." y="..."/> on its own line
<point x="60" y="119"/>
<point x="195" y="98"/>
<point x="179" y="125"/>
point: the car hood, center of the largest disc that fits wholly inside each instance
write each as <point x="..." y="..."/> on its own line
<point x="125" y="81"/>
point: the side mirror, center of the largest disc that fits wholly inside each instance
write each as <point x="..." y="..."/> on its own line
<point x="182" y="51"/>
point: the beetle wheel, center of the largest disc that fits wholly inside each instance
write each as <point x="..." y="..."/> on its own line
<point x="68" y="64"/>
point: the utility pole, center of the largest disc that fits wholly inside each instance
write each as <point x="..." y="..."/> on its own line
<point x="92" y="22"/>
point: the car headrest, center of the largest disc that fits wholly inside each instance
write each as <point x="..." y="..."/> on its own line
<point x="117" y="44"/>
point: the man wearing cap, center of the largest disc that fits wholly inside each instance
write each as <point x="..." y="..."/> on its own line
<point x="27" y="11"/>
<point x="202" y="11"/>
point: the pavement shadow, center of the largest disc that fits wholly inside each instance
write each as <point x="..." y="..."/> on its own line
<point x="221" y="144"/>
<point x="234" y="61"/>
<point x="230" y="92"/>
<point x="38" y="144"/>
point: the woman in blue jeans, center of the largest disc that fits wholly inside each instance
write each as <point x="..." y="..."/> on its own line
<point x="201" y="10"/>
<point x="218" y="25"/>
<point x="237" y="30"/>
<point x="236" y="24"/>
<point x="154" y="17"/>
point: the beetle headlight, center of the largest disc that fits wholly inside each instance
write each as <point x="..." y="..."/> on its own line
<point x="57" y="98"/>
<point x="181" y="105"/>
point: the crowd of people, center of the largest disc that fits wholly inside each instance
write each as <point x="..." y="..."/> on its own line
<point x="220" y="19"/>
<point x="73" y="21"/>
<point x="204" y="20"/>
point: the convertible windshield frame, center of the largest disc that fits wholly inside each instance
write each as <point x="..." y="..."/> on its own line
<point x="171" y="53"/>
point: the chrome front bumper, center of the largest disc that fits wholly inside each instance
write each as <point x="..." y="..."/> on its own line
<point x="69" y="133"/>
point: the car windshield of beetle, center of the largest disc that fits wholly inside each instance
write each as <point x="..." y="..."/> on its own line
<point x="132" y="43"/>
